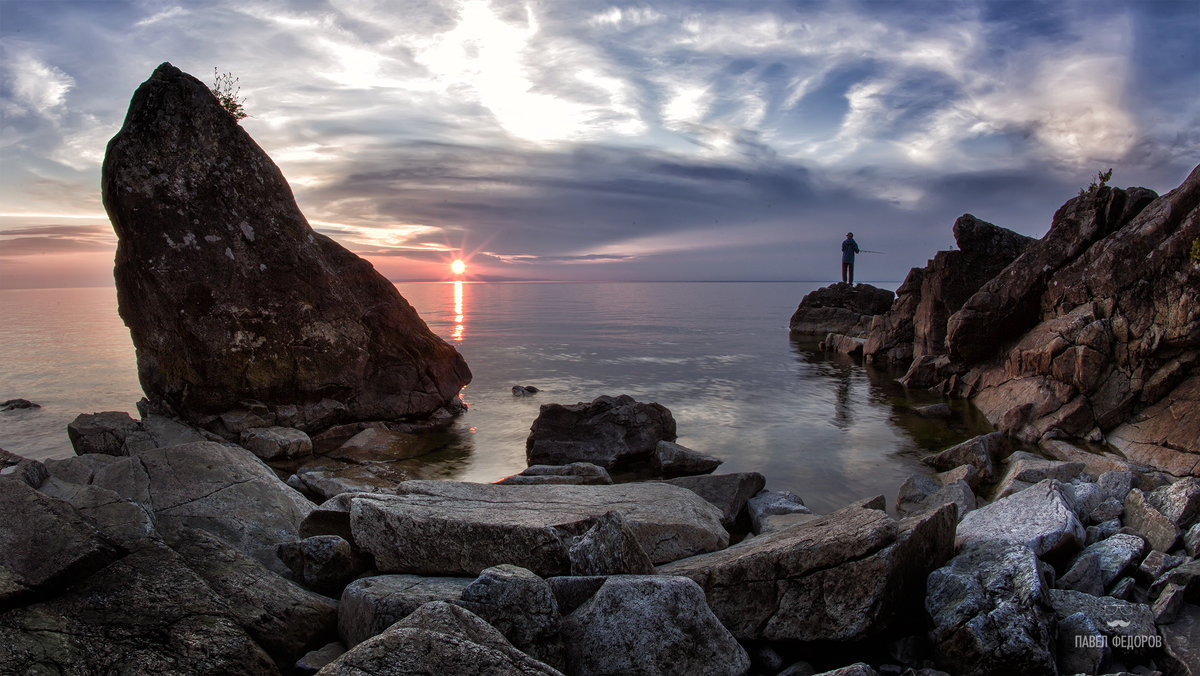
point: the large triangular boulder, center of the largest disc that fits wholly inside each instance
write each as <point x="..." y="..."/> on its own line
<point x="230" y="296"/>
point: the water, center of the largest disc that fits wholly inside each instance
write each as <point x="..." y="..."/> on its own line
<point x="717" y="355"/>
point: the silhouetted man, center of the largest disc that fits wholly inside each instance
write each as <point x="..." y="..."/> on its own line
<point x="849" y="248"/>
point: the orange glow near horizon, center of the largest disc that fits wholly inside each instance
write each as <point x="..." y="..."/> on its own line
<point x="458" y="266"/>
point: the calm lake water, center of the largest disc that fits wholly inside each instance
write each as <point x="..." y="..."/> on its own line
<point x="718" y="355"/>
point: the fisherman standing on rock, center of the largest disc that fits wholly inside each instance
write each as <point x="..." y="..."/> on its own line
<point x="849" y="248"/>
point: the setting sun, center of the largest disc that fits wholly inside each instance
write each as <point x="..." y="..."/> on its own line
<point x="458" y="267"/>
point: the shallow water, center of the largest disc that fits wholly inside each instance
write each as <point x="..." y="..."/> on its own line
<point x="717" y="355"/>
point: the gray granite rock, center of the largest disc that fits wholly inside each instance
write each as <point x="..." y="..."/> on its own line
<point x="1129" y="626"/>
<point x="1142" y="517"/>
<point x="1040" y="517"/>
<point x="1116" y="485"/>
<point x="920" y="493"/>
<point x="608" y="547"/>
<point x="101" y="432"/>
<point x="270" y="443"/>
<point x="650" y="625"/>
<point x="765" y="504"/>
<point x="1110" y="559"/>
<point x="1179" y="502"/>
<point x="370" y="605"/>
<point x="982" y="452"/>
<point x="1082" y="648"/>
<point x="728" y="492"/>
<point x="581" y="473"/>
<point x="1023" y="469"/>
<point x="324" y="563"/>
<point x="607" y="431"/>
<point x="13" y="466"/>
<point x="673" y="460"/>
<point x="522" y="607"/>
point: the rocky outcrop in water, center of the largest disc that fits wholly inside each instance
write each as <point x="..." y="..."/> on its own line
<point x="231" y="297"/>
<point x="840" y="308"/>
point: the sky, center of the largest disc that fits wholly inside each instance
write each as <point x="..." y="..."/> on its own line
<point x="565" y="140"/>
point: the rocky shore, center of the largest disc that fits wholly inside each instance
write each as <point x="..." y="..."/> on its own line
<point x="270" y="518"/>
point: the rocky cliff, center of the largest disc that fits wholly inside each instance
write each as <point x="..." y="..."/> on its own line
<point x="231" y="297"/>
<point x="1091" y="332"/>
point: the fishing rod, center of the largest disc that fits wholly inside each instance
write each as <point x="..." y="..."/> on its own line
<point x="868" y="251"/>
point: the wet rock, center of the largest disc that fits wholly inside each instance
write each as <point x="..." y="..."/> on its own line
<point x="270" y="443"/>
<point x="446" y="527"/>
<point x="437" y="638"/>
<point x="370" y="605"/>
<point x="673" y="459"/>
<point x="767" y="504"/>
<point x="991" y="612"/>
<point x="17" y="405"/>
<point x="607" y="432"/>
<point x="650" y="625"/>
<point x="578" y="473"/>
<point x="934" y="411"/>
<point x="609" y="547"/>
<point x="380" y="443"/>
<point x="522" y="607"/>
<point x="324" y="563"/>
<point x="101" y="432"/>
<point x="728" y="492"/>
<point x="840" y="308"/>
<point x="1140" y="516"/>
<point x="981" y="452"/>
<point x="295" y="319"/>
<point x="840" y="577"/>
<point x="524" y="390"/>
<point x="13" y="466"/>
<point x="1040" y="517"/>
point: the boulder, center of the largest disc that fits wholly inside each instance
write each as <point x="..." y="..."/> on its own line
<point x="121" y="522"/>
<point x="581" y="473"/>
<point x="1109" y="559"/>
<point x="270" y="443"/>
<point x="101" y="432"/>
<point x="281" y="616"/>
<point x="13" y="466"/>
<point x="230" y="296"/>
<point x="1129" y="626"/>
<point x="1095" y="461"/>
<point x="920" y="493"/>
<point x="841" y="577"/>
<point x="49" y="546"/>
<point x="609" y="431"/>
<point x="380" y="443"/>
<point x="226" y="491"/>
<point x="454" y="528"/>
<point x="1025" y="469"/>
<point x="314" y="660"/>
<point x="144" y="613"/>
<point x="17" y="404"/>
<point x="856" y="669"/>
<point x="991" y="612"/>
<point x="981" y="452"/>
<point x="1040" y="517"/>
<point x="609" y="547"/>
<point x="650" y="625"/>
<point x="1142" y="518"/>
<point x="766" y="504"/>
<point x="728" y="492"/>
<point x="842" y="344"/>
<point x="840" y="308"/>
<point x="437" y="638"/>
<point x="1156" y="564"/>
<point x="1181" y="642"/>
<point x="571" y="591"/>
<point x="1082" y="648"/>
<point x="522" y="607"/>
<point x="672" y="460"/>
<point x="1191" y="541"/>
<point x="1179" y="502"/>
<point x="370" y="605"/>
<point x="889" y="340"/>
<point x="326" y="478"/>
<point x="324" y="563"/>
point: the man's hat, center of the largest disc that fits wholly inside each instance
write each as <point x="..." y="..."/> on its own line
<point x="849" y="234"/>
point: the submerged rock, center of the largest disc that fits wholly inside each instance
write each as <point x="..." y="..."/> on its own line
<point x="229" y="295"/>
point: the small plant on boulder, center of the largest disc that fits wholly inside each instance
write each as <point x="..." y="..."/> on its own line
<point x="1101" y="181"/>
<point x="225" y="88"/>
<point x="1195" y="254"/>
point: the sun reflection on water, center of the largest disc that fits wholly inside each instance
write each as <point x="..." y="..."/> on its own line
<point x="457" y="334"/>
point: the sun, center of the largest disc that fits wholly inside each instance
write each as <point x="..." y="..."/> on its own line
<point x="458" y="267"/>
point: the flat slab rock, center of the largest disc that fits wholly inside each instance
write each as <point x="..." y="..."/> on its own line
<point x="458" y="528"/>
<point x="1039" y="517"/>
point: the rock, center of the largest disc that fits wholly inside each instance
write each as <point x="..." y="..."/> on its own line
<point x="17" y="404"/>
<point x="579" y="473"/>
<point x="1164" y="434"/>
<point x="32" y="472"/>
<point x="121" y="522"/>
<point x="609" y="547"/>
<point x="227" y="492"/>
<point x="380" y="443"/>
<point x="890" y="336"/>
<point x="370" y="605"/>
<point x="1115" y="484"/>
<point x="728" y="492"/>
<point x="1156" y="564"/>
<point x="295" y="320"/>
<point x="840" y="308"/>
<point x="281" y="616"/>
<point x="650" y="625"/>
<point x="1181" y="642"/>
<point x="847" y="345"/>
<point x="934" y="411"/>
<point x="1082" y="649"/>
<point x="1088" y="497"/>
<point x="452" y="528"/>
<point x="1186" y="575"/>
<point x="314" y="660"/>
<point x="991" y="612"/>
<point x="522" y="607"/>
<point x="841" y="577"/>
<point x="1179" y="502"/>
<point x="327" y="478"/>
<point x="608" y="432"/>
<point x="1129" y="626"/>
<point x="49" y="547"/>
<point x="675" y="460"/>
<point x="331" y="517"/>
<point x="1025" y="469"/>
<point x="1140" y="516"/>
<point x="144" y="613"/>
<point x="765" y="504"/>
<point x="1191" y="541"/>
<point x="856" y="669"/>
<point x="1040" y="517"/>
<point x="1169" y="604"/>
<point x="323" y="563"/>
<point x="524" y="390"/>
<point x="571" y="591"/>
<point x="438" y="638"/>
<point x="270" y="443"/>
<point x="980" y="452"/>
<point x="1095" y="462"/>
<point x="1110" y="559"/>
<point x="1084" y="575"/>
<point x="101" y="432"/>
<point x="920" y="493"/>
<point x="1110" y="509"/>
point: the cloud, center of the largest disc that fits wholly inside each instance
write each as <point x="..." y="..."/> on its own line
<point x="56" y="239"/>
